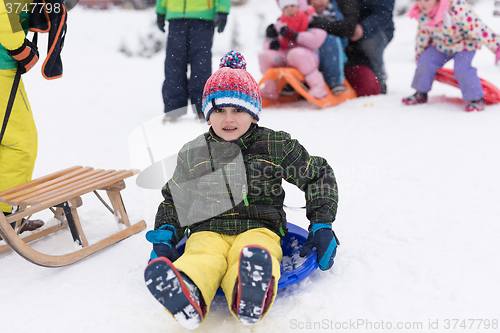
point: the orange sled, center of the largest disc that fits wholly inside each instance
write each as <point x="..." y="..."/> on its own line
<point x="491" y="93"/>
<point x="292" y="76"/>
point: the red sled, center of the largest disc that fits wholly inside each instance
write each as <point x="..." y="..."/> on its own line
<point x="293" y="77"/>
<point x="491" y="93"/>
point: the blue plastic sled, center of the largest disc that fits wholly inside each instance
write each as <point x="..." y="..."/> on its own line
<point x="293" y="267"/>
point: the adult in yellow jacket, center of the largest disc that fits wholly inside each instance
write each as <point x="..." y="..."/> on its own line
<point x="18" y="147"/>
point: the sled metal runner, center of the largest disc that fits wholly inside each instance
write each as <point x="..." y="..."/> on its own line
<point x="62" y="190"/>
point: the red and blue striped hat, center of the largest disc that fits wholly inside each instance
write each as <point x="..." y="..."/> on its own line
<point x="232" y="86"/>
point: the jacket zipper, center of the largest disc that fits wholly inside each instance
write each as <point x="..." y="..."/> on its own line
<point x="244" y="194"/>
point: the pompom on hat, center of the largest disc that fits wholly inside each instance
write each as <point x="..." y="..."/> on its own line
<point x="232" y="86"/>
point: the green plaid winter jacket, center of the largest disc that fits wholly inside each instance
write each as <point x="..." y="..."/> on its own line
<point x="232" y="187"/>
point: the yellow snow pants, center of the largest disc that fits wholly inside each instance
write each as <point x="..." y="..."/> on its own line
<point x="19" y="145"/>
<point x="212" y="260"/>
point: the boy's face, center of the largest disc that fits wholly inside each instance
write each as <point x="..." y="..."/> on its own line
<point x="230" y="123"/>
<point x="290" y="11"/>
<point x="319" y="5"/>
<point x="427" y="6"/>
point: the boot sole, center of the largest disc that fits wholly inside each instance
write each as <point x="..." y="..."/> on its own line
<point x="413" y="102"/>
<point x="254" y="277"/>
<point x="166" y="285"/>
<point x="474" y="109"/>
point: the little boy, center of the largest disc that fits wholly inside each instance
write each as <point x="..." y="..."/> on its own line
<point x="227" y="190"/>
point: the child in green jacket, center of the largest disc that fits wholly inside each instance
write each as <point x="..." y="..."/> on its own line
<point x="190" y="37"/>
<point x="227" y="191"/>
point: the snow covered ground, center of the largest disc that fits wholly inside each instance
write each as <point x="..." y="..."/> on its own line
<point x="419" y="193"/>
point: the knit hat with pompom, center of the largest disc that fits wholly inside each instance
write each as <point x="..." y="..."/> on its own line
<point x="232" y="86"/>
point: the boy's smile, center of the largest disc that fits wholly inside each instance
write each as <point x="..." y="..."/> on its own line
<point x="230" y="123"/>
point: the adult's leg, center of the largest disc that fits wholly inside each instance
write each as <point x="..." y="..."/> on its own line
<point x="466" y="75"/>
<point x="373" y="49"/>
<point x="331" y="60"/>
<point x="427" y="65"/>
<point x="175" y="91"/>
<point x="19" y="145"/>
<point x="201" y="35"/>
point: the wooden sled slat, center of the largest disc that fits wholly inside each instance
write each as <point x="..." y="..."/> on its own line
<point x="38" y="181"/>
<point x="54" y="184"/>
<point x="293" y="77"/>
<point x="85" y="187"/>
<point x="67" y="196"/>
<point x="67" y="186"/>
<point x="63" y="190"/>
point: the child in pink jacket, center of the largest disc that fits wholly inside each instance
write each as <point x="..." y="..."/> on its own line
<point x="290" y="44"/>
<point x="450" y="29"/>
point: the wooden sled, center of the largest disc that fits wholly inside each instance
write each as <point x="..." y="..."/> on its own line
<point x="62" y="190"/>
<point x="491" y="93"/>
<point x="292" y="76"/>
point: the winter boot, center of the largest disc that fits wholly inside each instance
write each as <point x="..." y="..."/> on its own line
<point x="477" y="105"/>
<point x="175" y="291"/>
<point x="316" y="84"/>
<point x="169" y="119"/>
<point x="28" y="225"/>
<point x="269" y="89"/>
<point x="337" y="89"/>
<point x="288" y="90"/>
<point x="200" y="117"/>
<point x="383" y="88"/>
<point x="254" y="285"/>
<point x="416" y="98"/>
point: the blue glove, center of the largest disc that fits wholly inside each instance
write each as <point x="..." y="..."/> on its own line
<point x="160" y="21"/>
<point x="164" y="240"/>
<point x="321" y="237"/>
<point x="220" y="21"/>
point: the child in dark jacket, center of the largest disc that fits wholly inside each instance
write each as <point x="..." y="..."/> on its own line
<point x="226" y="190"/>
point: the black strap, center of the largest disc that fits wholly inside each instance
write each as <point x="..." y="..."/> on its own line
<point x="35" y="39"/>
<point x="10" y="103"/>
<point x="71" y="221"/>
